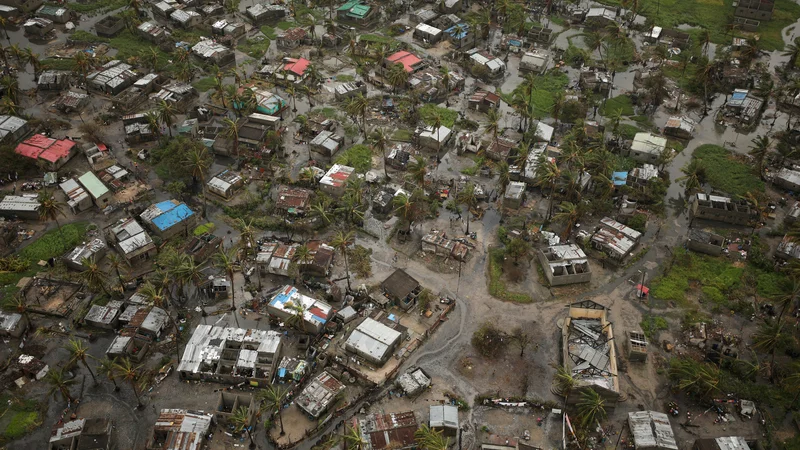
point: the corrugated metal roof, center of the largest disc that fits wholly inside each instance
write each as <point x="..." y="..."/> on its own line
<point x="93" y="185"/>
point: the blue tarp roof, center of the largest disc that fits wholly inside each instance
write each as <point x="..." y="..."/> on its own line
<point x="172" y="216"/>
<point x="619" y="178"/>
<point x="282" y="372"/>
<point x="453" y="31"/>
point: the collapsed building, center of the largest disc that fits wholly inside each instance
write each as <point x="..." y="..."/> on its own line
<point x="588" y="352"/>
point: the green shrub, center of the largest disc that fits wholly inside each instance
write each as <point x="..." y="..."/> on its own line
<point x="727" y="174"/>
<point x="638" y="222"/>
<point x="21" y="423"/>
<point x="497" y="286"/>
<point x="651" y="325"/>
<point x="620" y="102"/>
<point x="358" y="157"/>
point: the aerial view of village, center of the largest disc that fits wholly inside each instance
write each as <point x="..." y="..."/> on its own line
<point x="400" y="224"/>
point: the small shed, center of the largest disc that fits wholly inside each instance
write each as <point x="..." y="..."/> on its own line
<point x="444" y="418"/>
<point x="401" y="288"/>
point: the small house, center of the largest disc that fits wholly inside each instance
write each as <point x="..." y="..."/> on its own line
<point x="534" y="61"/>
<point x="97" y="190"/>
<point x="225" y="184"/>
<point x="680" y="127"/>
<point x="57" y="14"/>
<point x="742" y="108"/>
<point x="94" y="249"/>
<point x="595" y="80"/>
<point x="106" y="316"/>
<point x="705" y="242"/>
<point x="422" y="15"/>
<point x="24" y="206"/>
<point x="373" y="341"/>
<point x="599" y="18"/>
<point x="483" y="101"/>
<point x="292" y="70"/>
<point x="399" y="156"/>
<point x="71" y="101"/>
<point x="444" y="418"/>
<point x="615" y="239"/>
<point x="130" y="240"/>
<point x="494" y="66"/>
<point x="163" y="9"/>
<point x="401" y="288"/>
<point x="12" y="324"/>
<point x="38" y="26"/>
<point x="228" y="28"/>
<point x="263" y="12"/>
<point x="320" y="393"/>
<point x="109" y="26"/>
<point x="169" y="218"/>
<point x="460" y="36"/>
<point x="153" y="32"/>
<point x="78" y="199"/>
<point x="433" y="138"/>
<point x="52" y="153"/>
<point x="293" y="38"/>
<point x="212" y="52"/>
<point x="410" y="61"/>
<point x="500" y="149"/>
<point x="326" y="143"/>
<point x="293" y="201"/>
<point x="212" y="10"/>
<point x="53" y="80"/>
<point x="357" y="13"/>
<point x="514" y="195"/>
<point x="565" y="264"/>
<point x="647" y="147"/>
<point x="112" y="78"/>
<point x="335" y="180"/>
<point x="788" y="179"/>
<point x="427" y="34"/>
<point x="25" y="6"/>
<point x="450" y="6"/>
<point x="350" y="89"/>
<point x="722" y="209"/>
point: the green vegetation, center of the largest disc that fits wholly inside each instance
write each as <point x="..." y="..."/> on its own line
<point x="715" y="15"/>
<point x="96" y="5"/>
<point x="17" y="417"/>
<point x="620" y="54"/>
<point x="128" y="45"/>
<point x="402" y="135"/>
<point x="714" y="280"/>
<point x="628" y="131"/>
<point x="429" y="110"/>
<point x="190" y="36"/>
<point x="471" y="171"/>
<point x="345" y="78"/>
<point x="58" y="64"/>
<point x="85" y="36"/>
<point x="205" y="84"/>
<point x="255" y="48"/>
<point x="620" y="102"/>
<point x="51" y="244"/>
<point x="546" y="87"/>
<point x="726" y="173"/>
<point x="376" y="38"/>
<point x="269" y="32"/>
<point x="497" y="286"/>
<point x="171" y="160"/>
<point x="204" y="228"/>
<point x="285" y="25"/>
<point x="358" y="156"/>
<point x="327" y="112"/>
<point x="21" y="423"/>
<point x="651" y="325"/>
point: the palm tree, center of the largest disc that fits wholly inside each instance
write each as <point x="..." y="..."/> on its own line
<point x="595" y="42"/>
<point x="548" y="174"/>
<point x="493" y="122"/>
<point x="150" y="58"/>
<point x="11" y="87"/>
<point x="405" y="206"/>
<point x="166" y="114"/>
<point x="198" y="161"/>
<point x="83" y="65"/>
<point x="468" y="198"/>
<point x="791" y="383"/>
<point x="50" y="208"/>
<point x="759" y="151"/>
<point x="33" y="59"/>
<point x="135" y="5"/>
<point x="591" y="407"/>
<point x="435" y="121"/>
<point x="417" y="171"/>
<point x="303" y="255"/>
<point x="430" y="439"/>
<point x="769" y="338"/>
<point x="341" y="241"/>
<point x="116" y="263"/>
<point x="79" y="352"/>
<point x="380" y="142"/>
<point x="569" y="215"/>
<point x="353" y="439"/>
<point x="231" y="131"/>
<point x="106" y="368"/>
<point x="792" y="51"/>
<point x="397" y="76"/>
<point x="321" y="210"/>
<point x="272" y="399"/>
<point x="447" y="78"/>
<point x="18" y="304"/>
<point x="694" y="176"/>
<point x="357" y="106"/>
<point x="157" y="296"/>
<point x="126" y="371"/>
<point x="565" y="381"/>
<point x="59" y="384"/>
<point x="153" y="123"/>
<point x="240" y="419"/>
<point x="504" y="176"/>
<point x="93" y="276"/>
<point x="693" y="377"/>
<point x="226" y="261"/>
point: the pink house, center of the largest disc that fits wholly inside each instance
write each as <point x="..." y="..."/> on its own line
<point x="53" y="153"/>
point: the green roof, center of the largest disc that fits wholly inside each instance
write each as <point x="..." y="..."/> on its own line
<point x="93" y="184"/>
<point x="349" y="5"/>
<point x="359" y="11"/>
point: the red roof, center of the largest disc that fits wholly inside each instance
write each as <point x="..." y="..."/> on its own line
<point x="102" y="147"/>
<point x="28" y="150"/>
<point x="41" y="146"/>
<point x="407" y="59"/>
<point x="297" y="66"/>
<point x="61" y="149"/>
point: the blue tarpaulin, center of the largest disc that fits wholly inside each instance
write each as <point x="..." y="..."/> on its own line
<point x="619" y="178"/>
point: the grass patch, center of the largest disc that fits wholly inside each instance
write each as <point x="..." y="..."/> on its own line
<point x="717" y="280"/>
<point x="726" y="173"/>
<point x="621" y="54"/>
<point x="205" y="84"/>
<point x="543" y="95"/>
<point x="471" y="171"/>
<point x="255" y="48"/>
<point x="85" y="36"/>
<point x="128" y="45"/>
<point x="18" y="417"/>
<point x="285" y="25"/>
<point x="204" y="228"/>
<point x="622" y="102"/>
<point x="58" y="64"/>
<point x="497" y="286"/>
<point x="345" y="78"/>
<point x="402" y="135"/>
<point x="651" y="325"/>
<point x="190" y="36"/>
<point x="714" y="16"/>
<point x="628" y="131"/>
<point x="376" y="38"/>
<point x="20" y="424"/>
<point x="427" y="112"/>
<point x="96" y="5"/>
<point x="358" y="157"/>
<point x="327" y="112"/>
<point x="269" y="32"/>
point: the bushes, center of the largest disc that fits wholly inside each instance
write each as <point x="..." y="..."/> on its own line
<point x="489" y="340"/>
<point x="726" y="173"/>
<point x="717" y="276"/>
<point x="620" y="102"/>
<point x="20" y="424"/>
<point x="358" y="157"/>
<point x="638" y="222"/>
<point x="651" y="325"/>
<point x="449" y="116"/>
<point x="360" y="261"/>
<point x="497" y="287"/>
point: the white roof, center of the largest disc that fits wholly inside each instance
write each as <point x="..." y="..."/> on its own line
<point x="545" y="131"/>
<point x="444" y="416"/>
<point x="19" y="203"/>
<point x="427" y="29"/>
<point x="9" y="321"/>
<point x="207" y="48"/>
<point x="441" y="135"/>
<point x="372" y="338"/>
<point x="651" y="429"/>
<point x="337" y="175"/>
<point x="648" y="143"/>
